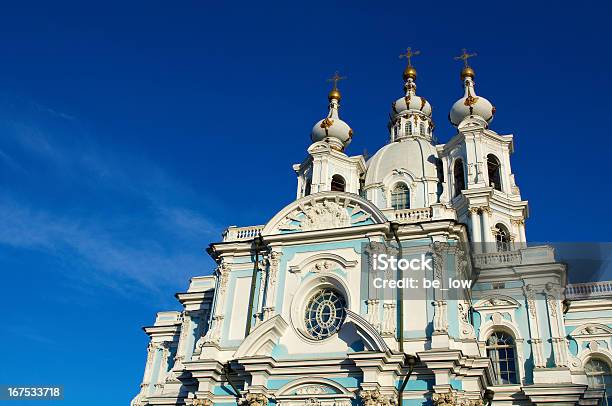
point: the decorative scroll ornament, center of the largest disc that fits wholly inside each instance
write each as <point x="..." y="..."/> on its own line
<point x="438" y="249"/>
<point x="375" y="398"/>
<point x="552" y="298"/>
<point x="531" y="300"/>
<point x="444" y="399"/>
<point x="273" y="267"/>
<point x="256" y="399"/>
<point x="466" y="330"/>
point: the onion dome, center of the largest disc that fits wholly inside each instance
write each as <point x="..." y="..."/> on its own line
<point x="470" y="104"/>
<point x="410" y="102"/>
<point x="332" y="129"/>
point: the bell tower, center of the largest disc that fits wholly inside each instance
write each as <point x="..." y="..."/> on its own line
<point x="327" y="167"/>
<point x="481" y="184"/>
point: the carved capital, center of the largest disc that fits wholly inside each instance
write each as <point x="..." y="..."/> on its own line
<point x="256" y="399"/>
<point x="485" y="209"/>
<point x="474" y="210"/>
<point x="444" y="399"/>
<point x="375" y="398"/>
<point x="517" y="221"/>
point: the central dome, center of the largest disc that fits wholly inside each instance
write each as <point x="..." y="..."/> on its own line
<point x="413" y="155"/>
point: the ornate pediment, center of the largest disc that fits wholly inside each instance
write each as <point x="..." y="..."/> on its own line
<point x="322" y="211"/>
<point x="592" y="329"/>
<point x="313" y="391"/>
<point x="323" y="263"/>
<point x="496" y="302"/>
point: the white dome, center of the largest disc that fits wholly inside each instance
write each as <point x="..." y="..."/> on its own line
<point x="471" y="105"/>
<point x="410" y="102"/>
<point x="413" y="155"/>
<point x="332" y="127"/>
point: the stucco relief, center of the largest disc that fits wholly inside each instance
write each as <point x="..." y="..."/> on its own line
<point x="375" y="398"/>
<point x="323" y="211"/>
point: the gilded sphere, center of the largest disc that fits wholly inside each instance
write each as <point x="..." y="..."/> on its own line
<point x="410" y="73"/>
<point x="334" y="94"/>
<point x="467" y="72"/>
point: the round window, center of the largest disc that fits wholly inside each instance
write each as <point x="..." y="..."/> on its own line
<point x="325" y="313"/>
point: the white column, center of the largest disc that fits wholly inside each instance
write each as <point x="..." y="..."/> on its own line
<point x="487" y="236"/>
<point x="476" y="231"/>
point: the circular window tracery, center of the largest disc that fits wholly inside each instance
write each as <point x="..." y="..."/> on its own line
<point x="324" y="313"/>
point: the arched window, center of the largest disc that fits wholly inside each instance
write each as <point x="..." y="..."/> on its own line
<point x="400" y="197"/>
<point x="458" y="177"/>
<point x="307" y="187"/>
<point x="494" y="169"/>
<point x="338" y="184"/>
<point x="598" y="373"/>
<point x="408" y="128"/>
<point x="422" y="128"/>
<point x="502" y="238"/>
<point x="502" y="353"/>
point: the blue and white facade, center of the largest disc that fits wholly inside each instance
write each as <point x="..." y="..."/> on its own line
<point x="289" y="317"/>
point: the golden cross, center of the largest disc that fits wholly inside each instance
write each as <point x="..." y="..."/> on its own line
<point x="336" y="78"/>
<point x="464" y="57"/>
<point x="409" y="54"/>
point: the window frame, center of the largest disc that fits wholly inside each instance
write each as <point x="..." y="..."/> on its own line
<point x="458" y="163"/>
<point x="510" y="361"/>
<point x="492" y="159"/>
<point x="406" y="195"/>
<point x="337" y="176"/>
<point x="500" y="231"/>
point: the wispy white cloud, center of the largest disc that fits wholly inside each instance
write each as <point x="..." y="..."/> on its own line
<point x="10" y="161"/>
<point x="54" y="112"/>
<point x="91" y="249"/>
<point x="124" y="251"/>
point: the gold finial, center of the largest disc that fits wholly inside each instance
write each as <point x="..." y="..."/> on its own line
<point x="410" y="72"/>
<point x="467" y="70"/>
<point x="335" y="93"/>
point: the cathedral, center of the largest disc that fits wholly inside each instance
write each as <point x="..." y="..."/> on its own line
<point x="291" y="315"/>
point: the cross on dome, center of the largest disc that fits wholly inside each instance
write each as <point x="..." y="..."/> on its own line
<point x="336" y="78"/>
<point x="410" y="72"/>
<point x="409" y="54"/>
<point x="465" y="56"/>
<point x="467" y="71"/>
<point x="335" y="93"/>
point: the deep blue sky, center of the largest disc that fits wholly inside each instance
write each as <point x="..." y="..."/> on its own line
<point x="131" y="134"/>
